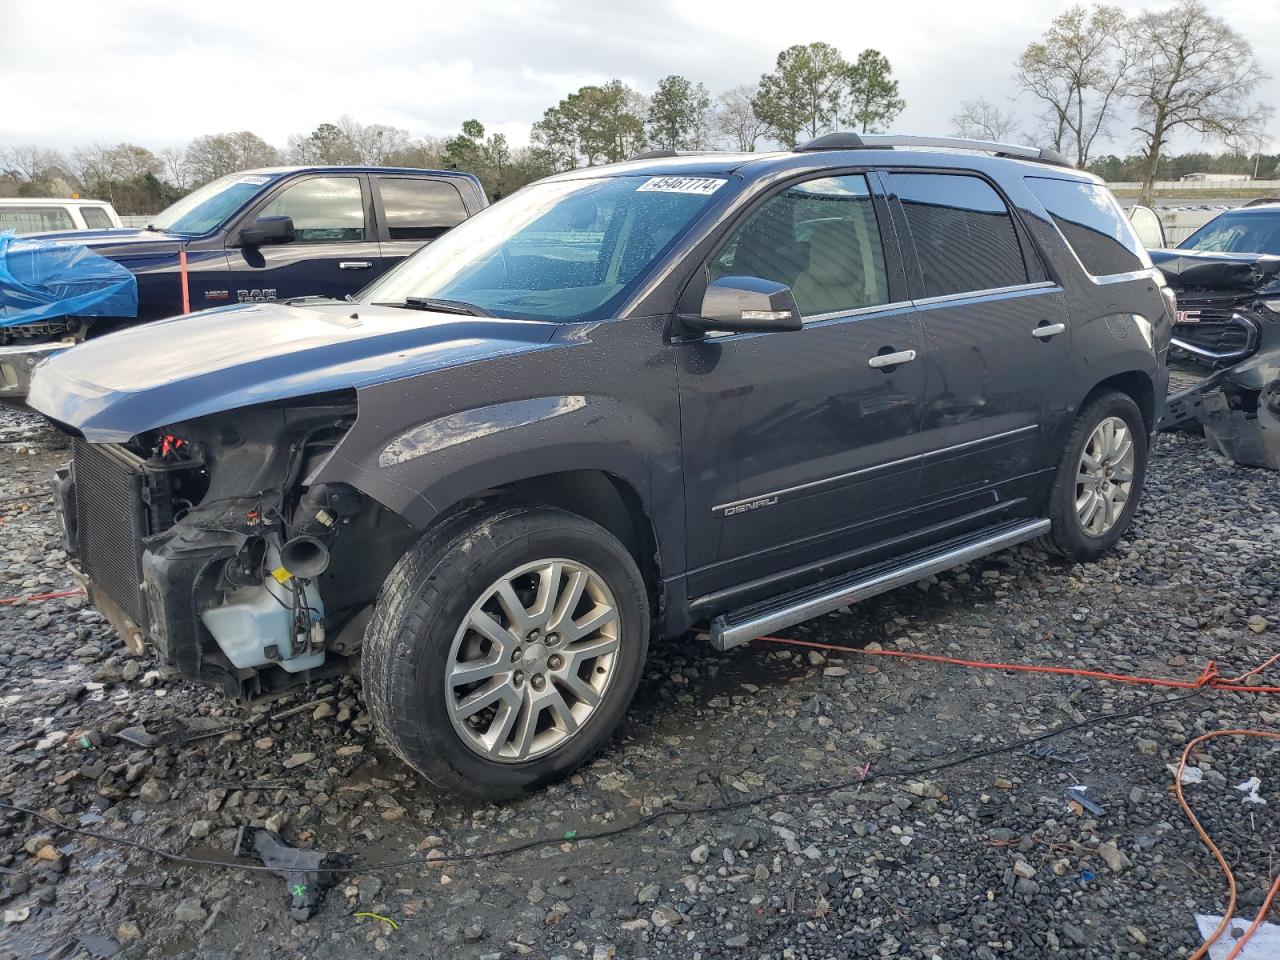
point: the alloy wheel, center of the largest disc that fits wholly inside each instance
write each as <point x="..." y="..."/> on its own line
<point x="532" y="660"/>
<point x="1104" y="478"/>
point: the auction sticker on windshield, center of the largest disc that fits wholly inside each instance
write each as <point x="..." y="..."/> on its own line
<point x="701" y="185"/>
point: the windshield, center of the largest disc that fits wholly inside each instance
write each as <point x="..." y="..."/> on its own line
<point x="205" y="209"/>
<point x="1238" y="233"/>
<point x="563" y="250"/>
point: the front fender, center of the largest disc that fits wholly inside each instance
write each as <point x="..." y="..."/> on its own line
<point x="418" y="451"/>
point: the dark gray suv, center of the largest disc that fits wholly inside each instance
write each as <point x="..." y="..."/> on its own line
<point x="689" y="392"/>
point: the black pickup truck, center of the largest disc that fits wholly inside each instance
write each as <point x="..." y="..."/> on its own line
<point x="256" y="236"/>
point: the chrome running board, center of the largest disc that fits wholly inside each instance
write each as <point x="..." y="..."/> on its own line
<point x="788" y="609"/>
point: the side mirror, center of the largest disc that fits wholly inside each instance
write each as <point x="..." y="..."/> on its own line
<point x="267" y="230"/>
<point x="747" y="305"/>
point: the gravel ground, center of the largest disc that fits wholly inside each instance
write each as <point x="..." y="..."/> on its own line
<point x="985" y="858"/>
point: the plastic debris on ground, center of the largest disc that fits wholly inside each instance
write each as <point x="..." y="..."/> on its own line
<point x="307" y="873"/>
<point x="46" y="279"/>
<point x="1250" y="790"/>
<point x="1263" y="945"/>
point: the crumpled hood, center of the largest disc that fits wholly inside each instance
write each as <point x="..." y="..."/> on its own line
<point x="1206" y="270"/>
<point x="159" y="373"/>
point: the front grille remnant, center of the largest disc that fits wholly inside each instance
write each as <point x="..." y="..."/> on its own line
<point x="110" y="522"/>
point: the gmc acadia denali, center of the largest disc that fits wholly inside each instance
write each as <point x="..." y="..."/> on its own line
<point x="711" y="391"/>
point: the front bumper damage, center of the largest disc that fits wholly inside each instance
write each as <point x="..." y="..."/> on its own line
<point x="223" y="585"/>
<point x="1229" y="334"/>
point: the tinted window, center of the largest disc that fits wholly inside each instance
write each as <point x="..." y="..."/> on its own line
<point x="324" y="209"/>
<point x="35" y="219"/>
<point x="820" y="238"/>
<point x="420" y="209"/>
<point x="96" y="218"/>
<point x="963" y="234"/>
<point x="1093" y="224"/>
<point x="1253" y="232"/>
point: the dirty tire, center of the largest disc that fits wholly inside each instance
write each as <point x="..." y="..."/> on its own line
<point x="1067" y="538"/>
<point x="424" y="601"/>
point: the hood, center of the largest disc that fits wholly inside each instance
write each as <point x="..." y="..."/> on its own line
<point x="165" y="372"/>
<point x="1233" y="272"/>
<point x="118" y="244"/>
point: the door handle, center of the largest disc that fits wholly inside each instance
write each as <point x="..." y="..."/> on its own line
<point x="354" y="264"/>
<point x="1047" y="330"/>
<point x="882" y="360"/>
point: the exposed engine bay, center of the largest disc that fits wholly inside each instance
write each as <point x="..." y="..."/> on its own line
<point x="1227" y="331"/>
<point x="252" y="592"/>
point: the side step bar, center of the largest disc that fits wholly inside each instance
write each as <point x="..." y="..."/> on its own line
<point x="761" y="619"/>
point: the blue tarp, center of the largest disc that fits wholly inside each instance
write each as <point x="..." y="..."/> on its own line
<point x="43" y="279"/>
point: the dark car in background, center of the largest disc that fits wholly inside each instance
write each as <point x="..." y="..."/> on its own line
<point x="720" y="392"/>
<point x="254" y="237"/>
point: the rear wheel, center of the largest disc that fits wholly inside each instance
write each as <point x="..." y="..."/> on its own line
<point x="505" y="648"/>
<point x="1099" y="479"/>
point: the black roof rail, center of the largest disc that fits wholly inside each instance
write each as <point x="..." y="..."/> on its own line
<point x="1259" y="201"/>
<point x="889" y="141"/>
<point x="833" y="141"/>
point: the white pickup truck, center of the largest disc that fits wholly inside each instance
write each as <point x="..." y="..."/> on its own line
<point x="40" y="214"/>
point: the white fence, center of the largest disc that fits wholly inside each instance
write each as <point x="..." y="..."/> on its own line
<point x="1264" y="187"/>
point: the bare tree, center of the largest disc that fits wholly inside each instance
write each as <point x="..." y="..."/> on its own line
<point x="1193" y="72"/>
<point x="176" y="170"/>
<point x="31" y="162"/>
<point x="982" y="120"/>
<point x="1077" y="70"/>
<point x="217" y="154"/>
<point x="735" y="120"/>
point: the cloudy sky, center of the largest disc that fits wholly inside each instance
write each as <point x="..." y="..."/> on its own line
<point x="160" y="73"/>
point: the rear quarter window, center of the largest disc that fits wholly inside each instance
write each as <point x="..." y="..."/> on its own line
<point x="1093" y="225"/>
<point x="96" y="218"/>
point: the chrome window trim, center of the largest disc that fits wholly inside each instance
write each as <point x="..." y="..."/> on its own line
<point x="989" y="292"/>
<point x="856" y="311"/>
<point x="787" y="491"/>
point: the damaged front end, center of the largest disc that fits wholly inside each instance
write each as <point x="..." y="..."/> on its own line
<point x="1228" y="333"/>
<point x="205" y="540"/>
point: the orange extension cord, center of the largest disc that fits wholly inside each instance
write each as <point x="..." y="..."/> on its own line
<point x="1210" y="678"/>
<point x="40" y="596"/>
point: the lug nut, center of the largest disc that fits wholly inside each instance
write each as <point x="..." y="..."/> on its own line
<point x="517" y="678"/>
<point x="516" y="654"/>
<point x="533" y="636"/>
<point x="555" y="663"/>
<point x="552" y="639"/>
<point x="538" y="681"/>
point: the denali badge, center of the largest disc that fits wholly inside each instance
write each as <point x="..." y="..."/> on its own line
<point x="746" y="505"/>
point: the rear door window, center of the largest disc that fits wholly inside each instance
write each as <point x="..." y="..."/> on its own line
<point x="35" y="219"/>
<point x="419" y="209"/>
<point x="820" y="238"/>
<point x="96" y="218"/>
<point x="964" y="235"/>
<point x="1089" y="218"/>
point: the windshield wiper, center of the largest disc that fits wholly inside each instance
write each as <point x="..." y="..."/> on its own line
<point x="442" y="306"/>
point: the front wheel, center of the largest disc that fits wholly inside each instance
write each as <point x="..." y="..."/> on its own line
<point x="1099" y="479"/>
<point x="505" y="647"/>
